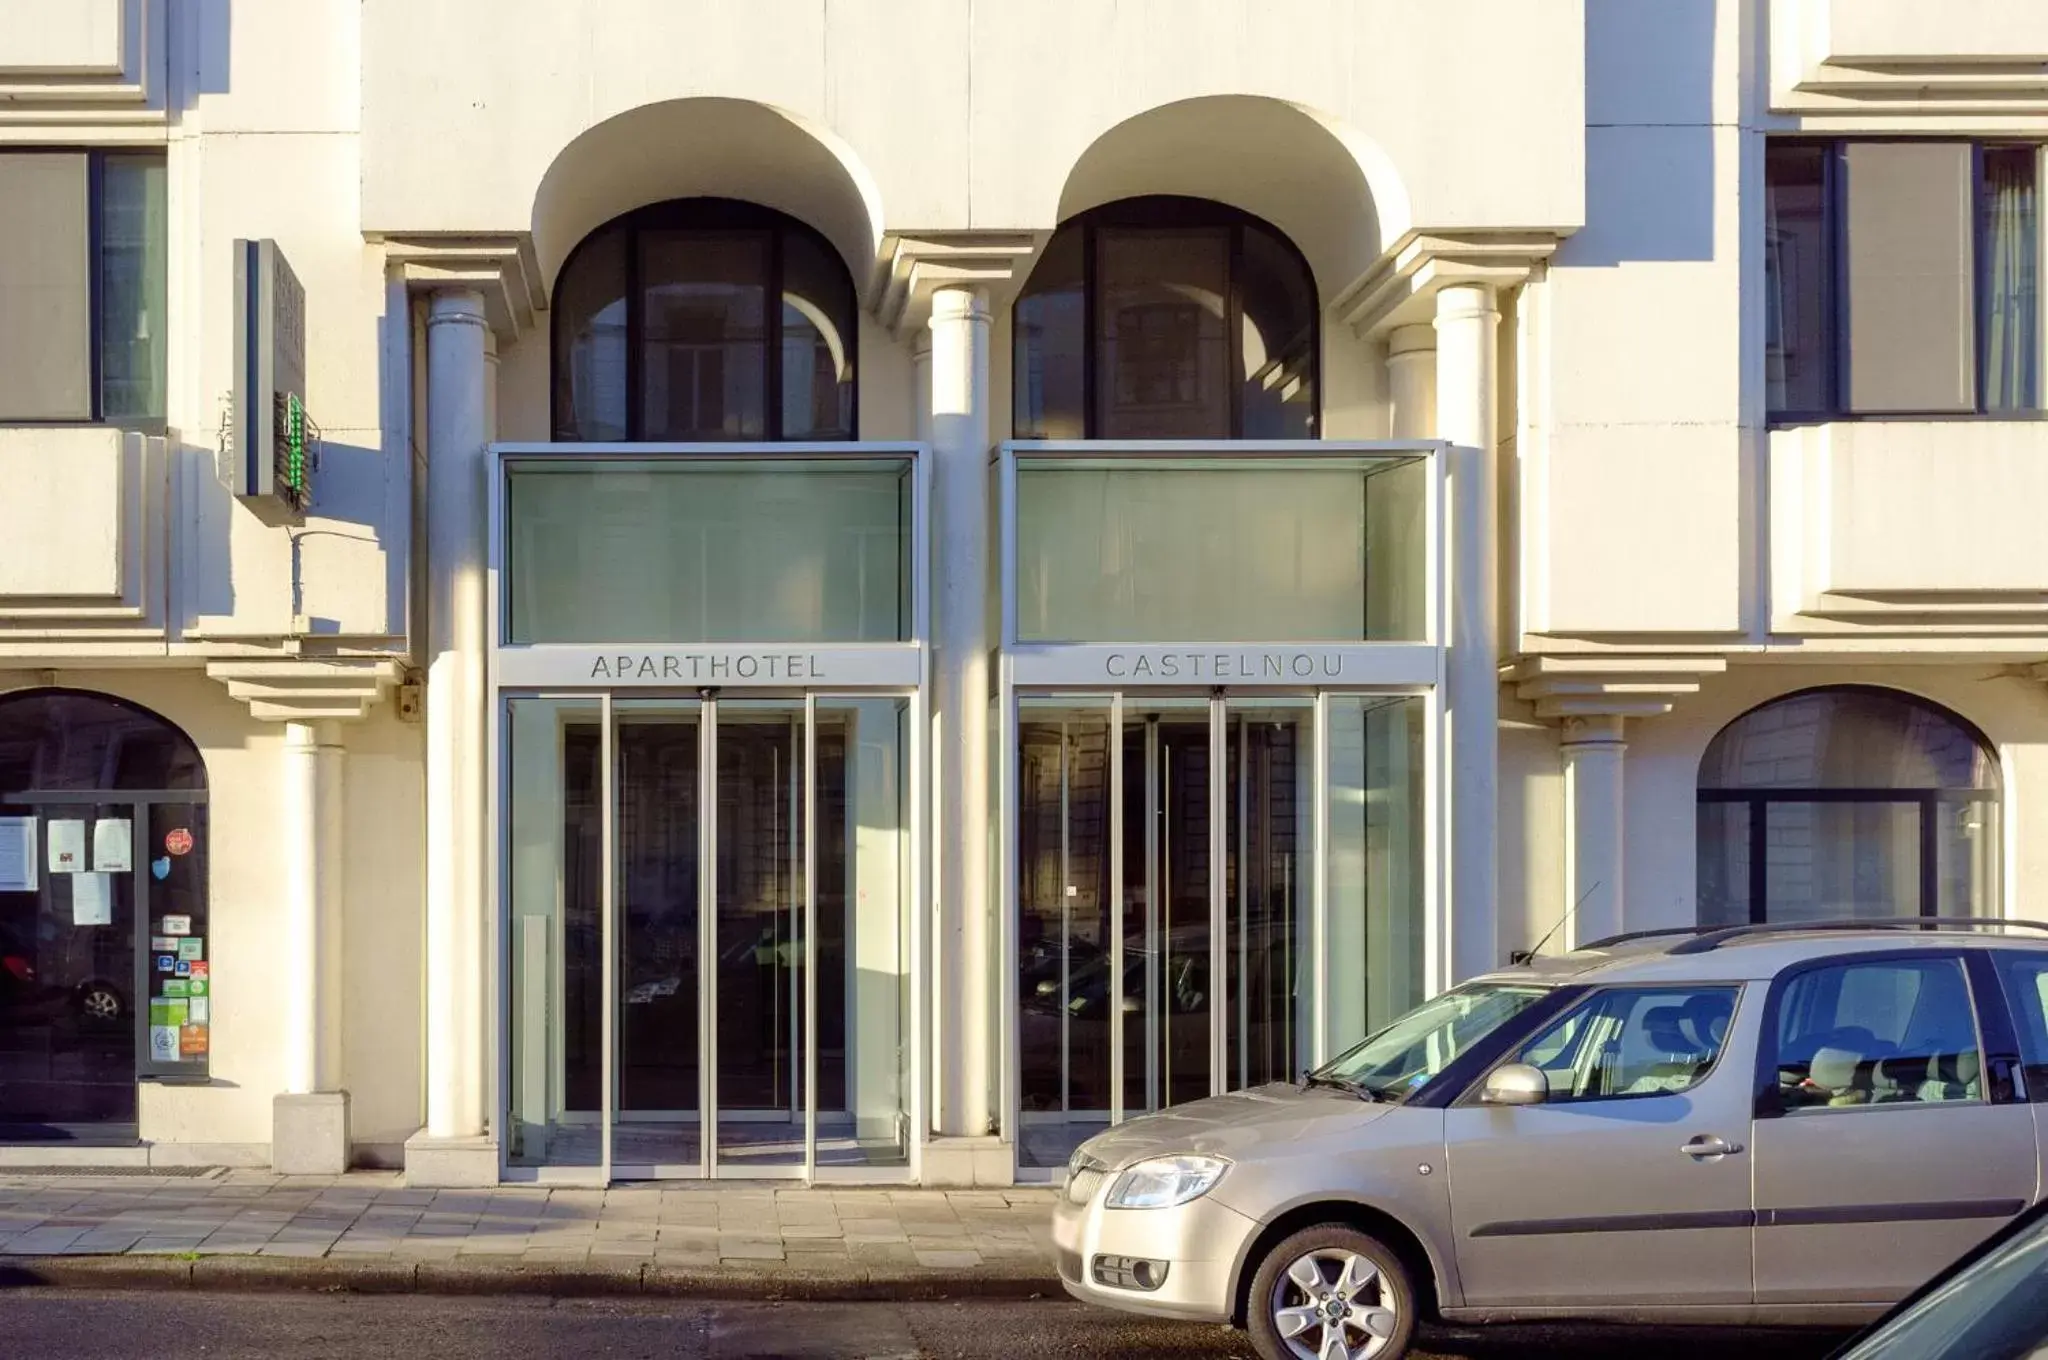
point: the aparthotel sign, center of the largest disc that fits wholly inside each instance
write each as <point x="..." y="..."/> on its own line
<point x="709" y="666"/>
<point x="1196" y="664"/>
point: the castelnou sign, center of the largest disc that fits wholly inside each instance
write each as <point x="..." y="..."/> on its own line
<point x="1231" y="664"/>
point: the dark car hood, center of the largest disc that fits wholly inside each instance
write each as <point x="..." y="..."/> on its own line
<point x="1233" y="1126"/>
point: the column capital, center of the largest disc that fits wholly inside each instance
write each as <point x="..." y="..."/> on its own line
<point x="1594" y="729"/>
<point x="917" y="265"/>
<point x="1604" y="687"/>
<point x="313" y="692"/>
<point x="1400" y="288"/>
<point x="501" y="270"/>
<point x="1412" y="339"/>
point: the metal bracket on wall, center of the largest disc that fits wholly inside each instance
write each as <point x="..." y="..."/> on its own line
<point x="411" y="696"/>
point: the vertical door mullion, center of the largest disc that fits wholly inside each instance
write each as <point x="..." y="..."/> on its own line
<point x="1319" y="890"/>
<point x="1116" y="907"/>
<point x="1219" y="898"/>
<point x="1154" y="945"/>
<point x="607" y="936"/>
<point x="810" y="954"/>
<point x="1066" y="931"/>
<point x="707" y="938"/>
<point x="1244" y="878"/>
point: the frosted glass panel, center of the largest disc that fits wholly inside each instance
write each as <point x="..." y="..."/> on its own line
<point x="1215" y="555"/>
<point x="731" y="554"/>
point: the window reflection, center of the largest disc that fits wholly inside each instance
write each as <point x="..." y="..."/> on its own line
<point x="1166" y="318"/>
<point x="668" y="327"/>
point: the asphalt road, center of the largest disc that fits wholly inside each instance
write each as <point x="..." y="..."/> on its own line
<point x="41" y="1324"/>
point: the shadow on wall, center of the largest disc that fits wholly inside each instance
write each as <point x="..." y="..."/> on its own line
<point x="212" y="21"/>
<point x="1649" y="131"/>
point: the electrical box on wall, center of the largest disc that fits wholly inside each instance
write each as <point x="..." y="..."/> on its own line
<point x="275" y="441"/>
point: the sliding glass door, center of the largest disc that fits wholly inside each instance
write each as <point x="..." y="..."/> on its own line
<point x="1209" y="893"/>
<point x="707" y="937"/>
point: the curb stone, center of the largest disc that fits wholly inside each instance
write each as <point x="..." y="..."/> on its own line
<point x="777" y="1282"/>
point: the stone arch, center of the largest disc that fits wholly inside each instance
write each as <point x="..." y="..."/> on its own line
<point x="709" y="147"/>
<point x="1327" y="186"/>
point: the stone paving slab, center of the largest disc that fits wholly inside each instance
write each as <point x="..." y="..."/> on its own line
<point x="367" y="1231"/>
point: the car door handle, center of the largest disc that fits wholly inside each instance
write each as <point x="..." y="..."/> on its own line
<point x="1709" y="1146"/>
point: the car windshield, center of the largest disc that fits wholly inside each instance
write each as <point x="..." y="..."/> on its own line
<point x="1990" y="1311"/>
<point x="1400" y="1059"/>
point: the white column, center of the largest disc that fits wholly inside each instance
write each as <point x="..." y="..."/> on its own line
<point x="1411" y="382"/>
<point x="1593" y="809"/>
<point x="457" y="430"/>
<point x="963" y="974"/>
<point x="310" y="822"/>
<point x="309" y="1130"/>
<point x="1466" y="380"/>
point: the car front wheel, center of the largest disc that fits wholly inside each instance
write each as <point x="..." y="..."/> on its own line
<point x="1331" y="1293"/>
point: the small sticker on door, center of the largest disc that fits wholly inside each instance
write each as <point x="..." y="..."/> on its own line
<point x="178" y="841"/>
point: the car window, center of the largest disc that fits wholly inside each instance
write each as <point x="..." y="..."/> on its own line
<point x="2025" y="977"/>
<point x="1886" y="1032"/>
<point x="1633" y="1041"/>
<point x="1991" y="1310"/>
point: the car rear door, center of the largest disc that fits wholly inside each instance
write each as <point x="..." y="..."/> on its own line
<point x="1888" y="1136"/>
<point x="1628" y="1188"/>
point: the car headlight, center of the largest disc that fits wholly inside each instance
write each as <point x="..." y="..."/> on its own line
<point x="1162" y="1182"/>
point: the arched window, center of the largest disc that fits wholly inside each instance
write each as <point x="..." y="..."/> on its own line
<point x="1847" y="802"/>
<point x="1167" y="318"/>
<point x="105" y="946"/>
<point x="704" y="320"/>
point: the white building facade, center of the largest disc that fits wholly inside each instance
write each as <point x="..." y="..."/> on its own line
<point x="852" y="591"/>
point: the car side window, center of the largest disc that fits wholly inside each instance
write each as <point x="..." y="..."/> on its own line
<point x="2025" y="978"/>
<point x="1633" y="1041"/>
<point x="1885" y="1032"/>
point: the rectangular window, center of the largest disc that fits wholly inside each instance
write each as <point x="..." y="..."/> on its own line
<point x="83" y="245"/>
<point x="1880" y="1033"/>
<point x="717" y="551"/>
<point x="1901" y="278"/>
<point x="1277" y="551"/>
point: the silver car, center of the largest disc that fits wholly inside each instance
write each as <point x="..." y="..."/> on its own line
<point x="1756" y="1124"/>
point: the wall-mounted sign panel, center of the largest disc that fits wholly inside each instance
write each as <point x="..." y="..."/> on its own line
<point x="1206" y="665"/>
<point x="273" y="437"/>
<point x="712" y="666"/>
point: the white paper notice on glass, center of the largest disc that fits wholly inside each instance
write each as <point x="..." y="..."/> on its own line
<point x="67" y="847"/>
<point x="92" y="899"/>
<point x="112" y="846"/>
<point x="17" y="854"/>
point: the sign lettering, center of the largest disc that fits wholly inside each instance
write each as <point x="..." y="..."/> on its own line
<point x="1235" y="664"/>
<point x="707" y="667"/>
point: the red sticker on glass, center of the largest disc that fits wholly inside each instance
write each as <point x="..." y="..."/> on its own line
<point x="178" y="841"/>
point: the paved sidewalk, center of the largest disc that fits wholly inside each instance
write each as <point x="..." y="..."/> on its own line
<point x="366" y="1230"/>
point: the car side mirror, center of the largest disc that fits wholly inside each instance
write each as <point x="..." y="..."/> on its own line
<point x="1515" y="1084"/>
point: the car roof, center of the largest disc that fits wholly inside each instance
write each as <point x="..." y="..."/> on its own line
<point x="1756" y="953"/>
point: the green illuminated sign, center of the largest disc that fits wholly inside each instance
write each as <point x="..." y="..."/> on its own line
<point x="274" y="440"/>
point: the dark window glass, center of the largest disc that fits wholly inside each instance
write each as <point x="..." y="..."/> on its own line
<point x="1797" y="344"/>
<point x="817" y="348"/>
<point x="704" y="354"/>
<point x="704" y="320"/>
<point x="133" y="246"/>
<point x="2025" y="977"/>
<point x="590" y="342"/>
<point x="1881" y="1033"/>
<point x="2011" y="266"/>
<point x="66" y="741"/>
<point x="79" y="229"/>
<point x="1049" y="350"/>
<point x="1166" y="318"/>
<point x="1901" y="277"/>
<point x="1847" y="803"/>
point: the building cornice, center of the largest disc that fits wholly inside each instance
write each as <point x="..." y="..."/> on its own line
<point x="502" y="267"/>
<point x="913" y="265"/>
<point x="308" y="691"/>
<point x="1561" y="687"/>
<point x="1399" y="288"/>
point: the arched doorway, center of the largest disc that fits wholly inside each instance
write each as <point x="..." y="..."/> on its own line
<point x="1847" y="802"/>
<point x="105" y="960"/>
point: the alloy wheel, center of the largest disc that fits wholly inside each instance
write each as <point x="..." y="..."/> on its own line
<point x="100" y="1003"/>
<point x="1333" y="1304"/>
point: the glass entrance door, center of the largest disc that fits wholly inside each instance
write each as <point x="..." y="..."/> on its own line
<point x="1163" y="898"/>
<point x="707" y="936"/>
